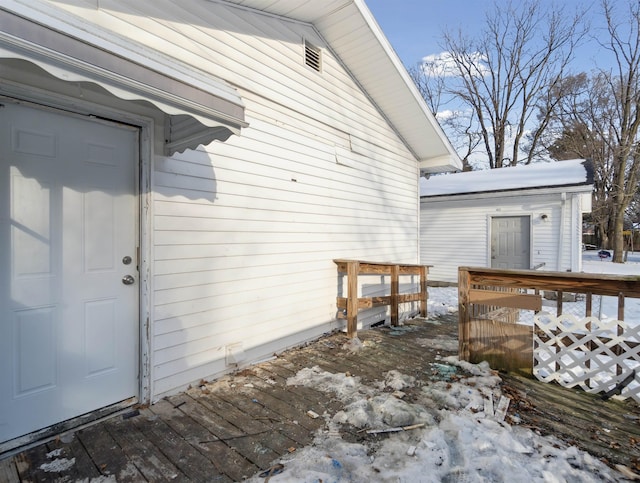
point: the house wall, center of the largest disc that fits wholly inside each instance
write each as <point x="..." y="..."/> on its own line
<point x="244" y="232"/>
<point x="455" y="230"/>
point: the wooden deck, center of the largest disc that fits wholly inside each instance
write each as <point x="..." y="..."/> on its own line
<point x="237" y="426"/>
<point x="608" y="430"/>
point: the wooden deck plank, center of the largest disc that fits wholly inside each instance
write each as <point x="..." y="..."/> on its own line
<point x="224" y="458"/>
<point x="219" y="427"/>
<point x="273" y="379"/>
<point x="8" y="471"/>
<point x="30" y="465"/>
<point x="283" y="402"/>
<point x="83" y="466"/>
<point x="147" y="458"/>
<point x="248" y="445"/>
<point x="281" y="370"/>
<point x="301" y="399"/>
<point x="346" y="361"/>
<point x="262" y="408"/>
<point x="107" y="454"/>
<point x="183" y="455"/>
<point x="233" y="415"/>
<point x="260" y="444"/>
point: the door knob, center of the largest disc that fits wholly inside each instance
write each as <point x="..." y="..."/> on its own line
<point x="128" y="280"/>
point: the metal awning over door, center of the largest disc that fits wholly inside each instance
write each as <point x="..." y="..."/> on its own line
<point x="197" y="114"/>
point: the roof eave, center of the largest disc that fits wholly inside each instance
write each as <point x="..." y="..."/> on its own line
<point x="441" y="164"/>
<point x="525" y="191"/>
<point x="432" y="158"/>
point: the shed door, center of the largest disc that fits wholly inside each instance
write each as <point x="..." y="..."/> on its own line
<point x="68" y="216"/>
<point x="510" y="242"/>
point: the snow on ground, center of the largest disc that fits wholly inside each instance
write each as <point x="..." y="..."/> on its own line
<point x="591" y="263"/>
<point x="453" y="433"/>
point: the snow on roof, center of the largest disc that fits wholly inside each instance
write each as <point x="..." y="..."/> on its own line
<point x="574" y="172"/>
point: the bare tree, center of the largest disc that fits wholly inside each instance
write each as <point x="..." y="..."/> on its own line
<point x="624" y="85"/>
<point x="599" y="118"/>
<point x="431" y="87"/>
<point x="581" y="128"/>
<point x="504" y="76"/>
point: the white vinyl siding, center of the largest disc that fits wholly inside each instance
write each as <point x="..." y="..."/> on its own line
<point x="456" y="231"/>
<point x="245" y="235"/>
<point x="245" y="231"/>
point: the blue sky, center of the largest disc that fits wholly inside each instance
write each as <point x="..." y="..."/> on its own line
<point x="414" y="27"/>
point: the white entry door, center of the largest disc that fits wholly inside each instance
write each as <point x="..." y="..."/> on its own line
<point x="69" y="324"/>
<point x="510" y="242"/>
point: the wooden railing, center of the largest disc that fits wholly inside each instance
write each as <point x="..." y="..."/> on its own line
<point x="352" y="303"/>
<point x="493" y="302"/>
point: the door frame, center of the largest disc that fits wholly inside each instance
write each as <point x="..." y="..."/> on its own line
<point x="81" y="107"/>
<point x="508" y="214"/>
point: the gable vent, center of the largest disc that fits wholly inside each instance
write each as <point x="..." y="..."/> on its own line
<point x="312" y="56"/>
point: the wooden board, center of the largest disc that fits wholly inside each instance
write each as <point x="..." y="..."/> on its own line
<point x="506" y="299"/>
<point x="8" y="471"/>
<point x="505" y="346"/>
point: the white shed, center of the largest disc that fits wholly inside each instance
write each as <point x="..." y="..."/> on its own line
<point x="527" y="217"/>
<point x="177" y="177"/>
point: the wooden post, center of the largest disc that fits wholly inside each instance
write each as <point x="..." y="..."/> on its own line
<point x="423" y="291"/>
<point x="620" y="329"/>
<point x="587" y="313"/>
<point x="463" y="315"/>
<point x="395" y="276"/>
<point x="559" y="303"/>
<point x="353" y="267"/>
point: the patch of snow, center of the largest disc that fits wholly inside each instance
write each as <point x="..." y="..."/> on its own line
<point x="442" y="300"/>
<point x="537" y="175"/>
<point x="58" y="465"/>
<point x="458" y="441"/>
<point x="55" y="453"/>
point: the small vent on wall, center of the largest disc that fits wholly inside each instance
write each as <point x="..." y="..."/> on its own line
<point x="312" y="56"/>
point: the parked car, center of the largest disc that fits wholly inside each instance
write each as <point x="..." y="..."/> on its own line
<point x="587" y="246"/>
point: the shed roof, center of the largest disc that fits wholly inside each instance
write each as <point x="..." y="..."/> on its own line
<point x="355" y="37"/>
<point x="575" y="172"/>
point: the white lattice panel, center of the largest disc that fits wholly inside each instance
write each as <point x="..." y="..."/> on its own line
<point x="567" y="351"/>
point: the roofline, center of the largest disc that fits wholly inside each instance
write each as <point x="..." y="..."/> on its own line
<point x="584" y="187"/>
<point x="587" y="164"/>
<point x="413" y="89"/>
<point x="434" y="157"/>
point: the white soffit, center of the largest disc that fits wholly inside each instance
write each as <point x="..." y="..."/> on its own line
<point x="353" y="34"/>
<point x="196" y="115"/>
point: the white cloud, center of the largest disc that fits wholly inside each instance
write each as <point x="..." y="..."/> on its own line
<point x="444" y="65"/>
<point x="447" y="114"/>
